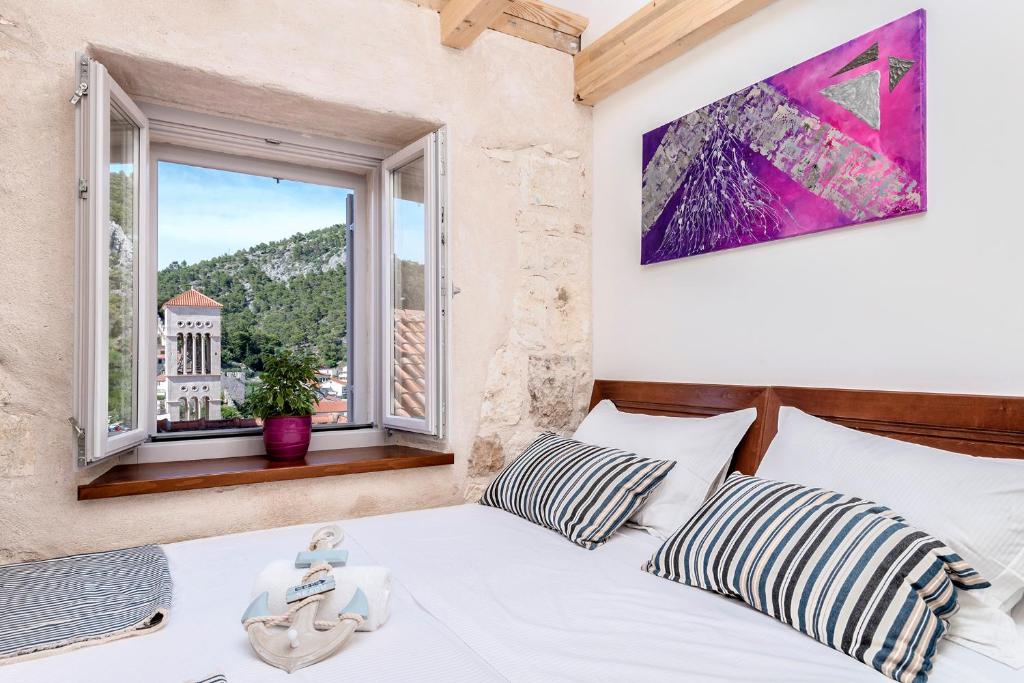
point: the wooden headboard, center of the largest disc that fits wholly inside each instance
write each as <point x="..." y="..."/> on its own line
<point x="990" y="426"/>
<point x="692" y="400"/>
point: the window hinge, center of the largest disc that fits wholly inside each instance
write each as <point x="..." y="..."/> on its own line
<point x="79" y="439"/>
<point x="83" y="80"/>
<point x="83" y="188"/>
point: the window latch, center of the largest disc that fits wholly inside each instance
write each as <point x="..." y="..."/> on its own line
<point x="79" y="439"/>
<point x="81" y="91"/>
<point x="83" y="188"/>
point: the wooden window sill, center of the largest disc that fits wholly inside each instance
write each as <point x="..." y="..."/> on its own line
<point x="161" y="477"/>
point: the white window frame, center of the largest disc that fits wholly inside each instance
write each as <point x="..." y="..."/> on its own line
<point x="433" y="149"/>
<point x="168" y="134"/>
<point x="212" y="445"/>
<point x="92" y="120"/>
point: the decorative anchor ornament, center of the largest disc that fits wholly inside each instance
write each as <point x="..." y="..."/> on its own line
<point x="297" y="638"/>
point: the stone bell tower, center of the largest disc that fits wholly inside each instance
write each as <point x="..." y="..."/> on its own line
<point x="192" y="347"/>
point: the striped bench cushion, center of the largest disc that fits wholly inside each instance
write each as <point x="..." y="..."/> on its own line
<point x="82" y="599"/>
<point x="581" y="491"/>
<point x="849" y="573"/>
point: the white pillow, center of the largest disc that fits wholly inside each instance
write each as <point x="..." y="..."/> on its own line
<point x="702" y="447"/>
<point x="974" y="505"/>
<point x="1018" y="617"/>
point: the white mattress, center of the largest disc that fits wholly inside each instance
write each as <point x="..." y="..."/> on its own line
<point x="204" y="635"/>
<point x="480" y="595"/>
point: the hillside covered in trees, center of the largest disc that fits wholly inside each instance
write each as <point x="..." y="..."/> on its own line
<point x="290" y="292"/>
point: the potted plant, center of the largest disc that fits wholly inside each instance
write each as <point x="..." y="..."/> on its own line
<point x="285" y="398"/>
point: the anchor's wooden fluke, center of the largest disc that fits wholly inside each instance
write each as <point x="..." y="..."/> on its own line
<point x="300" y="643"/>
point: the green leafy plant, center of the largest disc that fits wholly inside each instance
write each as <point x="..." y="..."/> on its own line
<point x="286" y="387"/>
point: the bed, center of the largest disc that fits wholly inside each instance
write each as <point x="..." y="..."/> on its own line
<point x="483" y="595"/>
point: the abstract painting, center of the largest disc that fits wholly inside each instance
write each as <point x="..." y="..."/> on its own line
<point x="837" y="140"/>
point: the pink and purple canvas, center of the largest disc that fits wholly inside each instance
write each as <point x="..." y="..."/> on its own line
<point x="835" y="141"/>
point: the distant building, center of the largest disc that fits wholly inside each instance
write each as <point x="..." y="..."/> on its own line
<point x="192" y="349"/>
<point x="331" y="411"/>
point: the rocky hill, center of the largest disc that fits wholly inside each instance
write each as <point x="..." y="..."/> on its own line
<point x="291" y="292"/>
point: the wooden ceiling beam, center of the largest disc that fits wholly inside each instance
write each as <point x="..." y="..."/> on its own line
<point x="533" y="21"/>
<point x="463" y="20"/>
<point x="543" y="14"/>
<point x="656" y="34"/>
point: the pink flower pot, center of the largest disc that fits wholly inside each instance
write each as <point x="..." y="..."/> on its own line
<point x="287" y="437"/>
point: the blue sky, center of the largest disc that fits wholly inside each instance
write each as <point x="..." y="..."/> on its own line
<point x="206" y="212"/>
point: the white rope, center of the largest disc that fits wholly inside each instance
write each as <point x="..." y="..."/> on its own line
<point x="329" y="536"/>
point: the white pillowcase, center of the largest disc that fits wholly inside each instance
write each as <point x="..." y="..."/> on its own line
<point x="1018" y="617"/>
<point x="974" y="505"/>
<point x="702" y="448"/>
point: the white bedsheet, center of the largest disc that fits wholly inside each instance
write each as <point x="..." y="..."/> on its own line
<point x="539" y="608"/>
<point x="203" y="636"/>
<point x="480" y="595"/>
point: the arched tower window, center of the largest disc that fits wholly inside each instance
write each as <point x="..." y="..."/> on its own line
<point x="207" y="354"/>
<point x="183" y="408"/>
<point x="206" y="408"/>
<point x="194" y="408"/>
<point x="180" y="356"/>
<point x="189" y="357"/>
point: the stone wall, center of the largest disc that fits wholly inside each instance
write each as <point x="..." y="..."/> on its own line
<point x="539" y="378"/>
<point x="520" y="245"/>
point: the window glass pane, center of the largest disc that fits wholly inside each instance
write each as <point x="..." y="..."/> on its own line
<point x="408" y="368"/>
<point x="123" y="266"/>
<point x="247" y="264"/>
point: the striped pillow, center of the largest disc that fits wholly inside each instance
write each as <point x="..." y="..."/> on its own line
<point x="581" y="491"/>
<point x="849" y="573"/>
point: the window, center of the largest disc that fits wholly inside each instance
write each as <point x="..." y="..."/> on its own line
<point x="414" y="279"/>
<point x="247" y="264"/>
<point x="113" y="175"/>
<point x="204" y="243"/>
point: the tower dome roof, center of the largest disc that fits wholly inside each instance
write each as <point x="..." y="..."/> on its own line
<point x="192" y="297"/>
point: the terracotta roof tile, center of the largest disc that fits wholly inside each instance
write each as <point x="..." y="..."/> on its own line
<point x="327" y="410"/>
<point x="193" y="297"/>
<point x="410" y="369"/>
<point x="332" y="405"/>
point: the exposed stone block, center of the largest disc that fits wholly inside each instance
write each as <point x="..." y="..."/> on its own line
<point x="474" y="492"/>
<point x="552" y="386"/>
<point x="487" y="456"/>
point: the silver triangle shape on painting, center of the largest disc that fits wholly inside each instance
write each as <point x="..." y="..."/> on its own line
<point x="898" y="68"/>
<point x="859" y="96"/>
<point x="869" y="55"/>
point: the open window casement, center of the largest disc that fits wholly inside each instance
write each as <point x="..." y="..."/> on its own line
<point x="414" y="286"/>
<point x="112" y="253"/>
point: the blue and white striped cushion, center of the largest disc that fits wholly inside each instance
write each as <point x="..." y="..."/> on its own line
<point x="849" y="573"/>
<point x="91" y="598"/>
<point x="581" y="491"/>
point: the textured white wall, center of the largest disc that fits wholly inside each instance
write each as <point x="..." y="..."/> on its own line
<point x="932" y="302"/>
